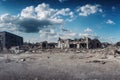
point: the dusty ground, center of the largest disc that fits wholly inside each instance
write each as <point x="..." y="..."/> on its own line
<point x="59" y="66"/>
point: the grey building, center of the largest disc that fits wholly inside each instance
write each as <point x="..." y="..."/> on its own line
<point x="7" y="40"/>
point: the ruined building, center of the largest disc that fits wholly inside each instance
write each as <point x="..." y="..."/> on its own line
<point x="46" y="45"/>
<point x="8" y="40"/>
<point x="85" y="42"/>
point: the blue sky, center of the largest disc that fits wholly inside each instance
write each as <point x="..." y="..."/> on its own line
<point x="39" y="20"/>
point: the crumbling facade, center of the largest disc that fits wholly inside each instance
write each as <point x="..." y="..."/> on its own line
<point x="85" y="42"/>
<point x="46" y="45"/>
<point x="8" y="40"/>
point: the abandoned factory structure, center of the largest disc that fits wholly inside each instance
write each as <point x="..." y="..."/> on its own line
<point x="81" y="43"/>
<point x="7" y="40"/>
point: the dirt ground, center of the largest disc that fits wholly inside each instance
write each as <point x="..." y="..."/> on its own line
<point x="59" y="66"/>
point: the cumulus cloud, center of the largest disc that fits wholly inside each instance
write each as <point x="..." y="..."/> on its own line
<point x="84" y="35"/>
<point x="65" y="12"/>
<point x="48" y="34"/>
<point x="33" y="25"/>
<point x="88" y="30"/>
<point x="110" y="22"/>
<point x="89" y="9"/>
<point x="64" y="30"/>
<point x="69" y="35"/>
<point x="51" y="34"/>
<point x="32" y="19"/>
<point x="88" y="33"/>
<point x="7" y="22"/>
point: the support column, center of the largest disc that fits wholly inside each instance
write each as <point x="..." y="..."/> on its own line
<point x="87" y="46"/>
<point x="78" y="46"/>
<point x="87" y="43"/>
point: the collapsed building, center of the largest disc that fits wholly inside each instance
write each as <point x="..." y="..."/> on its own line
<point x="8" y="40"/>
<point x="81" y="43"/>
<point x="46" y="45"/>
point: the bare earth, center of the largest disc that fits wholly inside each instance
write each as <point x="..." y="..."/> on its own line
<point x="59" y="66"/>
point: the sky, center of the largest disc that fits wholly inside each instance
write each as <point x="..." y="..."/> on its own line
<point x="40" y="20"/>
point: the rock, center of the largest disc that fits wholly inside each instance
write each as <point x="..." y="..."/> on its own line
<point x="96" y="61"/>
<point x="7" y="60"/>
<point x="23" y="59"/>
<point x="78" y="51"/>
<point x="48" y="57"/>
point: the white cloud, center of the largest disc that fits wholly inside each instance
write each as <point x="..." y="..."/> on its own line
<point x="84" y="35"/>
<point x="89" y="9"/>
<point x="28" y="12"/>
<point x="7" y="18"/>
<point x="40" y="19"/>
<point x="88" y="30"/>
<point x="64" y="30"/>
<point x="69" y="35"/>
<point x="88" y="33"/>
<point x="110" y="22"/>
<point x="7" y="22"/>
<point x="41" y="12"/>
<point x="48" y="34"/>
<point x="44" y="11"/>
<point x="33" y="19"/>
<point x="65" y="12"/>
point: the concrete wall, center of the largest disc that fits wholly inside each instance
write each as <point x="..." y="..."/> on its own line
<point x="7" y="40"/>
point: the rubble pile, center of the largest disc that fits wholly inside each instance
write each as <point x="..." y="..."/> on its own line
<point x="44" y="47"/>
